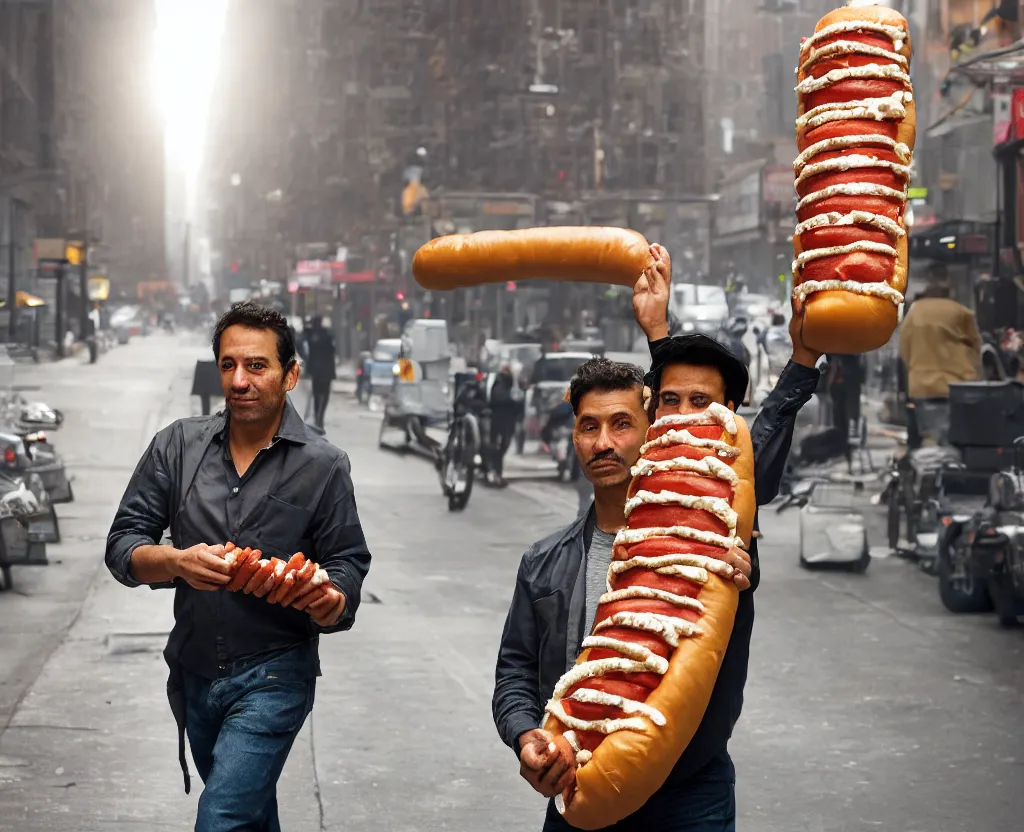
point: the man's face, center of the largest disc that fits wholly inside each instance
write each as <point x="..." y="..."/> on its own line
<point x="689" y="388"/>
<point x="610" y="428"/>
<point x="251" y="375"/>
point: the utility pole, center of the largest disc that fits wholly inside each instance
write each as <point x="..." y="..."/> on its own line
<point x="186" y="266"/>
<point x="14" y="206"/>
<point x="83" y="288"/>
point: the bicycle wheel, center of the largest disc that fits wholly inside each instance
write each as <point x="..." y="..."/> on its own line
<point x="464" y="450"/>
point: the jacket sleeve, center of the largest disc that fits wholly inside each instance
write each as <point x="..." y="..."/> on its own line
<point x="772" y="432"/>
<point x="515" y="705"/>
<point x="339" y="540"/>
<point x="144" y="512"/>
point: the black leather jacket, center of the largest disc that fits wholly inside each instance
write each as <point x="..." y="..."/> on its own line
<point x="544" y="627"/>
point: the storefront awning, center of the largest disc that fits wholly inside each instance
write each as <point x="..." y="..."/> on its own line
<point x="1005" y="66"/>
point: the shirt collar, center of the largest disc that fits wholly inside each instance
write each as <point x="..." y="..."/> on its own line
<point x="292" y="428"/>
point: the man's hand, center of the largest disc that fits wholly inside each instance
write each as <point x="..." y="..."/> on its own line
<point x="801" y="353"/>
<point x="201" y="566"/>
<point x="739" y="560"/>
<point x="326" y="609"/>
<point x="651" y="295"/>
<point x="548" y="766"/>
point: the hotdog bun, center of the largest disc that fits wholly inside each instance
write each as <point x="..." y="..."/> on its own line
<point x="584" y="254"/>
<point x="642" y="683"/>
<point x="855" y="131"/>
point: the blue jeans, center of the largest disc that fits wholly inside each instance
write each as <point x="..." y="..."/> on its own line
<point x="705" y="802"/>
<point x="241" y="729"/>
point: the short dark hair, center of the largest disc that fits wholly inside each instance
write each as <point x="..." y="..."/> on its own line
<point x="604" y="376"/>
<point x="254" y="316"/>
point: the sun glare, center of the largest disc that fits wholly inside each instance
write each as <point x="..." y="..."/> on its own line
<point x="188" y="41"/>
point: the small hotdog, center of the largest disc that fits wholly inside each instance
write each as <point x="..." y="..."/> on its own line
<point x="584" y="254"/>
<point x="245" y="568"/>
<point x="302" y="583"/>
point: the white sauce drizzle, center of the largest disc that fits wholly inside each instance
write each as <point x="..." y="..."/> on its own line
<point x="636" y="652"/>
<point x="716" y="414"/>
<point x="684" y="437"/>
<point x="901" y="150"/>
<point x="665" y="626"/>
<point x="897" y="34"/>
<point x="627" y="537"/>
<point x="853" y="189"/>
<point x="870" y="246"/>
<point x="714" y="505"/>
<point x="631" y="592"/>
<point x="702" y="562"/>
<point x="850" y="47"/>
<point x="832" y="219"/>
<point x="709" y="466"/>
<point x="879" y="109"/>
<point x="600" y="697"/>
<point x="880" y="72"/>
<point x="852" y="162"/>
<point x="878" y="290"/>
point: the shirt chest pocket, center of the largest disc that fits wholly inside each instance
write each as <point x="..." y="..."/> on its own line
<point x="282" y="529"/>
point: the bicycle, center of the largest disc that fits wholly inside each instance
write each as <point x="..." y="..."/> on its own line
<point x="458" y="460"/>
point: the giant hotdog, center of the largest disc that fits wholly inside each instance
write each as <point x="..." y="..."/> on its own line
<point x="639" y="689"/>
<point x="597" y="255"/>
<point x="855" y="134"/>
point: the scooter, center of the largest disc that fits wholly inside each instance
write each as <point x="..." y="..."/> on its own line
<point x="562" y="452"/>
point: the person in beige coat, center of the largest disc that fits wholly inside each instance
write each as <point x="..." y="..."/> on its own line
<point x="939" y="344"/>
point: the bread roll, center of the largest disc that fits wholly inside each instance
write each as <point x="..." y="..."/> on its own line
<point x="585" y="254"/>
<point x="855" y="131"/>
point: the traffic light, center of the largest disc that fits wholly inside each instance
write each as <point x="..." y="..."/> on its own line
<point x="73" y="254"/>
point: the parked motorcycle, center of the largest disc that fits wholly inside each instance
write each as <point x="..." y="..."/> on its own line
<point x="981" y="559"/>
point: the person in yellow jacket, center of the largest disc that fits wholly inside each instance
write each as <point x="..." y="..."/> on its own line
<point x="939" y="344"/>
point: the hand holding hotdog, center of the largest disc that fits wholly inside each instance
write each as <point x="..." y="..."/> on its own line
<point x="739" y="560"/>
<point x="328" y="608"/>
<point x="201" y="566"/>
<point x="547" y="765"/>
<point x="802" y="354"/>
<point x="651" y="295"/>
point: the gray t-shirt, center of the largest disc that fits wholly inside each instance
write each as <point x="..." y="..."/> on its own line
<point x="599" y="558"/>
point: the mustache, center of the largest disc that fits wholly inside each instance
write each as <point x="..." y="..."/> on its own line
<point x="605" y="456"/>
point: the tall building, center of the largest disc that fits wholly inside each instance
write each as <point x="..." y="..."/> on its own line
<point x="81" y="145"/>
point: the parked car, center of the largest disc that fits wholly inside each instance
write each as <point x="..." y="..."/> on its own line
<point x="699" y="308"/>
<point x="376" y="374"/>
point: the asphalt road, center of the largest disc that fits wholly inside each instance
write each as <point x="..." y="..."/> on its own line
<point x="868" y="706"/>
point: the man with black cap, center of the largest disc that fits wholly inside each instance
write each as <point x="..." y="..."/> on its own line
<point x="560" y="576"/>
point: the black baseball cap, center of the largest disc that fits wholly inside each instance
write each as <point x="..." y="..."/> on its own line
<point x="700" y="350"/>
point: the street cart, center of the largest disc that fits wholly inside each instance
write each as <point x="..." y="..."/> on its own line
<point x="419" y="394"/>
<point x="832" y="529"/>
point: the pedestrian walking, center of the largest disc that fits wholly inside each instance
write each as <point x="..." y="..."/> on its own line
<point x="504" y="415"/>
<point x="320" y="363"/>
<point x="242" y="671"/>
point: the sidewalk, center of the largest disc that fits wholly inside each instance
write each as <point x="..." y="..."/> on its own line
<point x="92" y="745"/>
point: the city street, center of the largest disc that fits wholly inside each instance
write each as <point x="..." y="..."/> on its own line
<point x="868" y="706"/>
